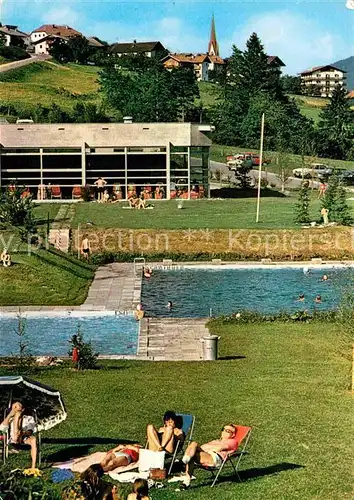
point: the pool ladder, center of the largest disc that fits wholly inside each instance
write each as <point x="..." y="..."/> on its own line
<point x="139" y="264"/>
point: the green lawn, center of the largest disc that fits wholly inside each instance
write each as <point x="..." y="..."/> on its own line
<point x="40" y="277"/>
<point x="197" y="214"/>
<point x="43" y="278"/>
<point x="47" y="83"/>
<point x="288" y="381"/>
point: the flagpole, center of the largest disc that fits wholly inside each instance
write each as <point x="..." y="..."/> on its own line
<point x="260" y="169"/>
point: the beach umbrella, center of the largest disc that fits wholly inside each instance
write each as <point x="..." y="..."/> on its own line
<point x="45" y="401"/>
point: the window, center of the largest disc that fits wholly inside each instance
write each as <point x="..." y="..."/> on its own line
<point x="40" y="46"/>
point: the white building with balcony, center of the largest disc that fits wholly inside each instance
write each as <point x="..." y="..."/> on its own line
<point x="321" y="80"/>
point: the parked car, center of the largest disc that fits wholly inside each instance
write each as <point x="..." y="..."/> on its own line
<point x="238" y="160"/>
<point x="315" y="170"/>
<point x="256" y="159"/>
<point x="347" y="177"/>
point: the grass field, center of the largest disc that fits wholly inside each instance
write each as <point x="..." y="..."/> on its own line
<point x="47" y="83"/>
<point x="288" y="381"/>
<point x="39" y="277"/>
<point x="276" y="212"/>
<point x="44" y="278"/>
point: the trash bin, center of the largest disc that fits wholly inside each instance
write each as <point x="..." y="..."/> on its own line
<point x="210" y="347"/>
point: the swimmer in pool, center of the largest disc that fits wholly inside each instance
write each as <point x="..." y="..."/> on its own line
<point x="324" y="277"/>
<point x="318" y="299"/>
<point x="169" y="305"/>
<point x="301" y="297"/>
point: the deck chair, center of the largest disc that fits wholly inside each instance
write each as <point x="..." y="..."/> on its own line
<point x="187" y="428"/>
<point x="76" y="192"/>
<point x="5" y="440"/>
<point x="56" y="191"/>
<point x="234" y="457"/>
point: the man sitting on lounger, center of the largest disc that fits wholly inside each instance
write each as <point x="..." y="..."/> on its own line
<point x="167" y="436"/>
<point x="210" y="454"/>
<point x="22" y="428"/>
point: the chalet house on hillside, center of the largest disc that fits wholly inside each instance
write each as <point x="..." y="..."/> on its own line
<point x="148" y="49"/>
<point x="94" y="42"/>
<point x="321" y="80"/>
<point x="13" y="36"/>
<point x="275" y="62"/>
<point x="43" y="37"/>
<point x="198" y="62"/>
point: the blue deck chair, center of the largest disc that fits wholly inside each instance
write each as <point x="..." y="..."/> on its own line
<point x="187" y="428"/>
<point x="234" y="457"/>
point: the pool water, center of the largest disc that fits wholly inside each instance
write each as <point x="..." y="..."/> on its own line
<point x="109" y="334"/>
<point x="197" y="292"/>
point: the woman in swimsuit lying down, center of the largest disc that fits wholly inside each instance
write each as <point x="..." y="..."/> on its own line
<point x="122" y="455"/>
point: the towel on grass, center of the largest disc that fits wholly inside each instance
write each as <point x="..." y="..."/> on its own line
<point x="82" y="463"/>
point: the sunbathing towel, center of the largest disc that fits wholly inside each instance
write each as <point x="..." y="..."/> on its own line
<point x="82" y="463"/>
<point x="128" y="477"/>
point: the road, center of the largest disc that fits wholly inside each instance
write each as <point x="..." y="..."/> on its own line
<point x="23" y="62"/>
<point x="272" y="178"/>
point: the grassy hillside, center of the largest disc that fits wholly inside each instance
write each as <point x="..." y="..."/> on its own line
<point x="48" y="82"/>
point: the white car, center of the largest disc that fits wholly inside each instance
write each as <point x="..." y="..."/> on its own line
<point x="316" y="170"/>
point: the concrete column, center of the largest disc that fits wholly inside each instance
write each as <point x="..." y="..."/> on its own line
<point x="126" y="172"/>
<point x="168" y="171"/>
<point x="189" y="172"/>
<point x="83" y="164"/>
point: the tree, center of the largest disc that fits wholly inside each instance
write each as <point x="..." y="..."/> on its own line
<point x="336" y="126"/>
<point x="60" y="50"/>
<point x="87" y="357"/>
<point x="16" y="209"/>
<point x="302" y="214"/>
<point x="257" y="74"/>
<point x="291" y="84"/>
<point x="282" y="161"/>
<point x="335" y="202"/>
<point x="152" y="95"/>
<point x="79" y="48"/>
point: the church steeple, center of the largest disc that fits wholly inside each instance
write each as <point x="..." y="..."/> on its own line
<point x="213" y="47"/>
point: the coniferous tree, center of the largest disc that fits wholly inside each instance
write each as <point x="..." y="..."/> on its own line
<point x="336" y="126"/>
<point x="335" y="202"/>
<point x="302" y="214"/>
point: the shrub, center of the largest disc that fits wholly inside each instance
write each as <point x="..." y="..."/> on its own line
<point x="87" y="358"/>
<point x="14" y="485"/>
<point x="13" y="53"/>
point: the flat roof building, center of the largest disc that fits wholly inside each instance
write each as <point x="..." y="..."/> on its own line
<point x="170" y="158"/>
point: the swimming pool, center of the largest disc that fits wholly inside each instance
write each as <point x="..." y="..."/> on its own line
<point x="49" y="335"/>
<point x="194" y="291"/>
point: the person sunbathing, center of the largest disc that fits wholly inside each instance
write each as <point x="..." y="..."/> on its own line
<point x="133" y="201"/>
<point x="210" y="454"/>
<point x="124" y="454"/>
<point x="22" y="428"/>
<point x="5" y="258"/>
<point x="167" y="436"/>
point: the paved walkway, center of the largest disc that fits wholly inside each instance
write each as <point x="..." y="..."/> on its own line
<point x="114" y="288"/>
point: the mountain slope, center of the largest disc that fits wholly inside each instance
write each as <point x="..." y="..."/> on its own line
<point x="347" y="65"/>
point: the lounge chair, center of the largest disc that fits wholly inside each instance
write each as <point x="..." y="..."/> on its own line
<point x="55" y="191"/>
<point x="187" y="428"/>
<point x="77" y="192"/>
<point x="234" y="457"/>
<point x="6" y="443"/>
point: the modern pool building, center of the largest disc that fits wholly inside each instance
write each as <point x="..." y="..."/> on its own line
<point x="167" y="159"/>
